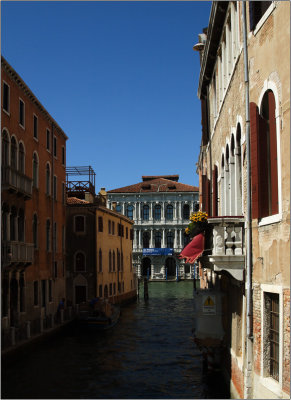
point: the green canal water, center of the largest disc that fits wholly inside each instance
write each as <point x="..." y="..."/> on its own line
<point x="148" y="354"/>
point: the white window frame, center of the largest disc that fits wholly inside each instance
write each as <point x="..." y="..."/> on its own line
<point x="264" y="18"/>
<point x="20" y="124"/>
<point x="35" y="137"/>
<point x="6" y="111"/>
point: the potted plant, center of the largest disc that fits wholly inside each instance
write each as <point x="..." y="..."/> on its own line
<point x="198" y="224"/>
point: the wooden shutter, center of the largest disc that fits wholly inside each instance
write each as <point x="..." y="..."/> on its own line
<point x="273" y="154"/>
<point x="254" y="130"/>
<point x="263" y="168"/>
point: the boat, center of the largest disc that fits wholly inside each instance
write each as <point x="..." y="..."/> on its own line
<point x="98" y="314"/>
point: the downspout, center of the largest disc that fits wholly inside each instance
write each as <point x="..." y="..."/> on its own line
<point x="249" y="340"/>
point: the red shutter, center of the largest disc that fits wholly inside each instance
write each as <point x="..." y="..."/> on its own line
<point x="254" y="130"/>
<point x="214" y="193"/>
<point x="273" y="155"/>
<point x="263" y="169"/>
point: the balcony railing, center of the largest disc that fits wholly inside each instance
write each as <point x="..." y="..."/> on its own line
<point x="225" y="248"/>
<point x="17" y="252"/>
<point x="16" y="181"/>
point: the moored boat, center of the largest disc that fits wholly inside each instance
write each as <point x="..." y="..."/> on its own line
<point x="98" y="314"/>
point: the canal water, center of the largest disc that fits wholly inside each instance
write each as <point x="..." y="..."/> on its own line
<point x="148" y="354"/>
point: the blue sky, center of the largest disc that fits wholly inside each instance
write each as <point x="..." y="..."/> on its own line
<point x="120" y="78"/>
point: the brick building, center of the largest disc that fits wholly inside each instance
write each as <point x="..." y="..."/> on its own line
<point x="33" y="210"/>
<point x="244" y="171"/>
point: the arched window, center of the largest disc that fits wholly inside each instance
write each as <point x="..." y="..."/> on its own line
<point x="157" y="212"/>
<point x="110" y="261"/>
<point x="48" y="179"/>
<point x="129" y="211"/>
<point x="214" y="191"/>
<point x="146" y="239"/>
<point x="13" y="153"/>
<point x="145" y="212"/>
<point x="21" y="158"/>
<point x="186" y="211"/>
<point x="222" y="188"/>
<point x="80" y="261"/>
<point x="158" y="239"/>
<point x="100" y="260"/>
<point x="232" y="191"/>
<point x="21" y="225"/>
<point x="170" y="239"/>
<point x="35" y="170"/>
<point x="238" y="174"/>
<point x="268" y="170"/>
<point x="5" y="148"/>
<point x="169" y="212"/>
<point x="5" y="221"/>
<point x="48" y="235"/>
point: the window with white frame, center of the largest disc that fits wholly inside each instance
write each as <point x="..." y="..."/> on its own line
<point x="6" y="97"/>
<point x="21" y="113"/>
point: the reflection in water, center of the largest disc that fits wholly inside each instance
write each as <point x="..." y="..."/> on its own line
<point x="148" y="354"/>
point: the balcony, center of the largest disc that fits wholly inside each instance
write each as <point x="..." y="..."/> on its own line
<point x="15" y="181"/>
<point x="17" y="253"/>
<point x="225" y="246"/>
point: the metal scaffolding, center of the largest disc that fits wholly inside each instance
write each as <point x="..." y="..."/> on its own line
<point x="77" y="186"/>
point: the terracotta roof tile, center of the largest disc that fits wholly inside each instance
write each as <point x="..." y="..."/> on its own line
<point x="75" y="200"/>
<point x="156" y="185"/>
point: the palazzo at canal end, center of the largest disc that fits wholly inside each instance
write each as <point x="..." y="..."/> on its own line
<point x="149" y="354"/>
<point x="160" y="207"/>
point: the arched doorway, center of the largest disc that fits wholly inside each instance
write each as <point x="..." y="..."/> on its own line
<point x="146" y="266"/>
<point x="171" y="266"/>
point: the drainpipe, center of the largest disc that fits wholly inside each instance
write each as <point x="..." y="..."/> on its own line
<point x="53" y="206"/>
<point x="249" y="343"/>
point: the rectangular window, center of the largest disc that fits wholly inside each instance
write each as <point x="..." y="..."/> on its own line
<point x="55" y="146"/>
<point x="35" y="293"/>
<point x="48" y="140"/>
<point x="110" y="289"/>
<point x="56" y="269"/>
<point x="114" y="288"/>
<point x="100" y="290"/>
<point x="131" y="234"/>
<point x="43" y="293"/>
<point x="257" y="10"/>
<point x="50" y="291"/>
<point x="55" y="237"/>
<point x="100" y="224"/>
<point x="55" y="188"/>
<point x="274" y="336"/>
<point x="113" y="228"/>
<point x="79" y="223"/>
<point x="35" y="127"/>
<point x="6" y="97"/>
<point x="63" y="155"/>
<point x="109" y="227"/>
<point x="126" y="232"/>
<point x="21" y="113"/>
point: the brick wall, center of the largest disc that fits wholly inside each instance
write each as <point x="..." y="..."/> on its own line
<point x="286" y="341"/>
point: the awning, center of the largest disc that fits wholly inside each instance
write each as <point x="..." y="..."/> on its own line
<point x="194" y="249"/>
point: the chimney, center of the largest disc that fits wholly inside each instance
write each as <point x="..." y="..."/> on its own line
<point x="114" y="205"/>
<point x="103" y="197"/>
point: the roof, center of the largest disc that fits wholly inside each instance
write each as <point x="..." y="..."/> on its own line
<point x="170" y="177"/>
<point x="75" y="200"/>
<point x="158" y="184"/>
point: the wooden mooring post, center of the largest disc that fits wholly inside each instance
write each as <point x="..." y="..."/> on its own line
<point x="145" y="289"/>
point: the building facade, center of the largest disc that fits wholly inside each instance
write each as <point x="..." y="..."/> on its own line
<point x="99" y="246"/>
<point x="33" y="211"/>
<point x="244" y="171"/>
<point x="160" y="207"/>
